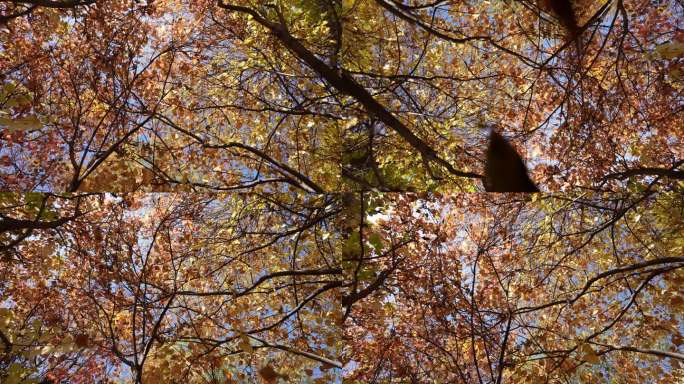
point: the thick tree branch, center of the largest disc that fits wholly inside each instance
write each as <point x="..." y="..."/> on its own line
<point x="504" y="345"/>
<point x="672" y="173"/>
<point x="588" y="284"/>
<point x="647" y="351"/>
<point x="262" y="279"/>
<point x="347" y="85"/>
<point x="6" y="341"/>
<point x="295" y="351"/>
<point x="56" y="4"/>
<point x="10" y="224"/>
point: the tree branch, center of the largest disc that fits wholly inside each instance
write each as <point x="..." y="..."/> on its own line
<point x="588" y="284"/>
<point x="309" y="355"/>
<point x="671" y="173"/>
<point x="347" y="85"/>
<point x="56" y="4"/>
<point x="654" y="352"/>
<point x="308" y="272"/>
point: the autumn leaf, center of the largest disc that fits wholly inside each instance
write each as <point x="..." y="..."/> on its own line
<point x="268" y="374"/>
<point x="588" y="354"/>
<point x="81" y="340"/>
<point x="671" y="50"/>
<point x="214" y="174"/>
<point x="245" y="343"/>
<point x="21" y="124"/>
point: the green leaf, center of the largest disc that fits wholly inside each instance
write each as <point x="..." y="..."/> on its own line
<point x="671" y="50"/>
<point x="22" y="124"/>
<point x="366" y="275"/>
<point x="352" y="248"/>
<point x="376" y="241"/>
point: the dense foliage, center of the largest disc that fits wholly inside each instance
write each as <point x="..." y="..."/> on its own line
<point x="336" y="95"/>
<point x="276" y="191"/>
<point x="168" y="288"/>
<point x="485" y="288"/>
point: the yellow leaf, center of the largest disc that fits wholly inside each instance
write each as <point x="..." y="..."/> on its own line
<point x="5" y="317"/>
<point x="121" y="319"/>
<point x="15" y="374"/>
<point x="349" y="123"/>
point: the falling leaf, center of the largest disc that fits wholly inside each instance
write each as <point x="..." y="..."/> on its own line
<point x="269" y="374"/>
<point x="671" y="50"/>
<point x="505" y="170"/>
<point x="81" y="340"/>
<point x="22" y="124"/>
<point x="245" y="344"/>
<point x="588" y="354"/>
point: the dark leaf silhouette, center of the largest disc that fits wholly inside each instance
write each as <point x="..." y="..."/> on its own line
<point x="505" y="171"/>
<point x="562" y="9"/>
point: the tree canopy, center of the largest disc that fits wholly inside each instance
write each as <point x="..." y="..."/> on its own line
<point x="371" y="287"/>
<point x="168" y="288"/>
<point x="276" y="191"/>
<point x="496" y="289"/>
<point x="324" y="95"/>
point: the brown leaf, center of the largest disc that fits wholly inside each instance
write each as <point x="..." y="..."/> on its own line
<point x="81" y="340"/>
<point x="269" y="374"/>
<point x="589" y="355"/>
